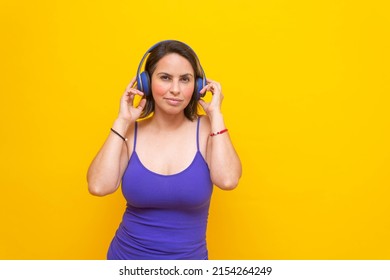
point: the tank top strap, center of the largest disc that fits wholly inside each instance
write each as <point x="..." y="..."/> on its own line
<point x="197" y="134"/>
<point x="135" y="136"/>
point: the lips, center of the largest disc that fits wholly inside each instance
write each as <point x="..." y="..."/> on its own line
<point x="173" y="101"/>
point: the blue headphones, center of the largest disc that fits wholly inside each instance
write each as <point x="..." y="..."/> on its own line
<point x="143" y="79"/>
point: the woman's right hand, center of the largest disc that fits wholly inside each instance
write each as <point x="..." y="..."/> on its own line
<point x="127" y="111"/>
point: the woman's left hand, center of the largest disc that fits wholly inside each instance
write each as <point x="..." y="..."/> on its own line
<point x="214" y="106"/>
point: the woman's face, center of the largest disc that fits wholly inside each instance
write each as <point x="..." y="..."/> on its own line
<point x="173" y="84"/>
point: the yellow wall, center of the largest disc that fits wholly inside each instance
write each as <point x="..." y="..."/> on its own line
<point x="306" y="87"/>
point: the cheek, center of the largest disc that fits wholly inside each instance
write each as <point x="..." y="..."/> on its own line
<point x="159" y="88"/>
<point x="188" y="91"/>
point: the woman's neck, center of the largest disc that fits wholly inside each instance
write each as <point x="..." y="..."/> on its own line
<point x="168" y="122"/>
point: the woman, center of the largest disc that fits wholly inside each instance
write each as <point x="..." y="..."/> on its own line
<point x="167" y="162"/>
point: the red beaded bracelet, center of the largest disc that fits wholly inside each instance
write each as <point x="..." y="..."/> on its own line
<point x="219" y="132"/>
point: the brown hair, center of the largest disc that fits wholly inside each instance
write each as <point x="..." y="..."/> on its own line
<point x="161" y="50"/>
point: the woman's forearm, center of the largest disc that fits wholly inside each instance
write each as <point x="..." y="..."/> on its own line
<point x="224" y="163"/>
<point x="106" y="170"/>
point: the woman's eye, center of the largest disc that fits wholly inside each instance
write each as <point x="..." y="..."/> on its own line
<point x="164" y="78"/>
<point x="185" y="79"/>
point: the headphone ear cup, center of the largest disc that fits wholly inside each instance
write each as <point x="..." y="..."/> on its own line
<point x="199" y="86"/>
<point x="143" y="83"/>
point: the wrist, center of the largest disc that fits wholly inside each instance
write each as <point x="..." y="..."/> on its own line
<point x="216" y="117"/>
<point x="121" y="125"/>
<point x="217" y="122"/>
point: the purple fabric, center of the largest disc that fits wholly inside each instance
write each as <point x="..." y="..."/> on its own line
<point x="166" y="215"/>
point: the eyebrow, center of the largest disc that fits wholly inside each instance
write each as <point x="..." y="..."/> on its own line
<point x="169" y="75"/>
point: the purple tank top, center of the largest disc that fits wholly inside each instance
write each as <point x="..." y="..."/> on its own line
<point x="166" y="215"/>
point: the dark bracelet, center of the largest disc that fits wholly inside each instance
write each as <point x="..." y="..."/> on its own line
<point x="123" y="138"/>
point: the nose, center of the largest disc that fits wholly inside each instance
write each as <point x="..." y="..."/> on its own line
<point x="175" y="87"/>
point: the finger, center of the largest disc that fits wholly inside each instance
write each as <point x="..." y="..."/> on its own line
<point x="203" y="104"/>
<point x="211" y="88"/>
<point x="128" y="97"/>
<point x="132" y="91"/>
<point x="131" y="84"/>
<point x="207" y="87"/>
<point x="203" y="90"/>
<point x="142" y="104"/>
<point x="131" y="95"/>
<point x="216" y="84"/>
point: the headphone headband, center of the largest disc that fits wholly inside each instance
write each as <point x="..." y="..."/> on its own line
<point x="146" y="54"/>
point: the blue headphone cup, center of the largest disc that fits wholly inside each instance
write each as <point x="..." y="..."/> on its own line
<point x="199" y="85"/>
<point x="143" y="83"/>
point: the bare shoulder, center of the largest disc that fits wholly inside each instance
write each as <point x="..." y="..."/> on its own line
<point x="205" y="123"/>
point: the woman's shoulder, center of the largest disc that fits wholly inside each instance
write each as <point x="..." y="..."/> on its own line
<point x="205" y="123"/>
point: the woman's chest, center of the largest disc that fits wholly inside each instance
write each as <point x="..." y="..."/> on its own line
<point x="189" y="188"/>
<point x="166" y="154"/>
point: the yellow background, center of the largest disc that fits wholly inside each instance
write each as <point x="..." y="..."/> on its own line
<point x="306" y="87"/>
